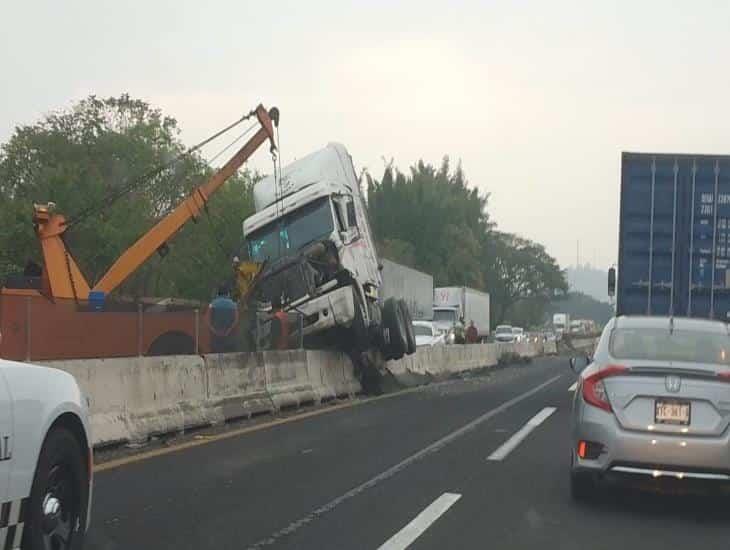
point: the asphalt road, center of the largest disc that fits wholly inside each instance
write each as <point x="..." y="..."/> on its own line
<point x="410" y="469"/>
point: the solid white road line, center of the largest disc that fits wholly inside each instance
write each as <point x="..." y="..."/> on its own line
<point x="509" y="445"/>
<point x="572" y="388"/>
<point x="406" y="536"/>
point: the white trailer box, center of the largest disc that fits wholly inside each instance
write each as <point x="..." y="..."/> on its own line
<point x="413" y="286"/>
<point x="454" y="304"/>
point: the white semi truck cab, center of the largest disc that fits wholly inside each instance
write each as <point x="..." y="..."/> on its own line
<point x="311" y="234"/>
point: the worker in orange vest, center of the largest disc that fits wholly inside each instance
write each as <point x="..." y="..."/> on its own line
<point x="279" y="326"/>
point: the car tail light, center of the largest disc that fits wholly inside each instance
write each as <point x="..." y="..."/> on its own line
<point x="594" y="391"/>
<point x="589" y="449"/>
<point x="724" y="376"/>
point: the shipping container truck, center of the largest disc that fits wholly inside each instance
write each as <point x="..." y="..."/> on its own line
<point x="457" y="306"/>
<point x="674" y="236"/>
<point x="413" y="286"/>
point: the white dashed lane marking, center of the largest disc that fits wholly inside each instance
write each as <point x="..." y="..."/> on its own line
<point x="572" y="388"/>
<point x="418" y="525"/>
<point x="510" y="445"/>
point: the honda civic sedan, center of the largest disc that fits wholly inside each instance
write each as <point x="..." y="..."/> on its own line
<point x="653" y="404"/>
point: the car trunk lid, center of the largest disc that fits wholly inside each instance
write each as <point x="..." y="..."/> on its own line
<point x="676" y="398"/>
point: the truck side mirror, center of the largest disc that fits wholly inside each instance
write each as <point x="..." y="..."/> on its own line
<point x="612" y="282"/>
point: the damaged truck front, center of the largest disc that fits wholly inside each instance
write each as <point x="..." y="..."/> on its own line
<point x="311" y="235"/>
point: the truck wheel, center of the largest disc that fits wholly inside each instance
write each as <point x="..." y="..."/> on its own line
<point x="56" y="511"/>
<point x="172" y="343"/>
<point x="410" y="335"/>
<point x="394" y="322"/>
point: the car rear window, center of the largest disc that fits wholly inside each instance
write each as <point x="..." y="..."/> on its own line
<point x="679" y="345"/>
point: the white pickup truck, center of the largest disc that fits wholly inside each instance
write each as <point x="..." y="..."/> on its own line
<point x="45" y="458"/>
<point x="311" y="234"/>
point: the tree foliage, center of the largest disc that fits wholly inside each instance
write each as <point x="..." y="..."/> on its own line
<point x="433" y="220"/>
<point x="78" y="158"/>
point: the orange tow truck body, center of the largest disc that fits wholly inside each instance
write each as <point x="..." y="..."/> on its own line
<point x="59" y="315"/>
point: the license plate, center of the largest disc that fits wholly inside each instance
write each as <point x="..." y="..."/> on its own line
<point x="671" y="412"/>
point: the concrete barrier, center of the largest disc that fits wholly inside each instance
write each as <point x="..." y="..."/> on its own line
<point x="331" y="375"/>
<point x="287" y="378"/>
<point x="134" y="398"/>
<point x="237" y="384"/>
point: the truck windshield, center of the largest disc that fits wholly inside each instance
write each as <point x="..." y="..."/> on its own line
<point x="444" y="315"/>
<point x="661" y="345"/>
<point x="287" y="235"/>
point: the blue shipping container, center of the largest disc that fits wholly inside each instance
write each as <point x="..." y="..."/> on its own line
<point x="674" y="235"/>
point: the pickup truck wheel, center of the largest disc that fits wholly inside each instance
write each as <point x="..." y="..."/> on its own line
<point x="410" y="335"/>
<point x="56" y="511"/>
<point x="394" y="322"/>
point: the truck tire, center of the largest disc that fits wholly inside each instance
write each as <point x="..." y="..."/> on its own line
<point x="410" y="335"/>
<point x="394" y="322"/>
<point x="56" y="511"/>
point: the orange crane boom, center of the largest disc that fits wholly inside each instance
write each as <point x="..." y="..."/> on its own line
<point x="62" y="277"/>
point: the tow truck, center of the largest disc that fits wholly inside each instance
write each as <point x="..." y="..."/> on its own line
<point x="60" y="314"/>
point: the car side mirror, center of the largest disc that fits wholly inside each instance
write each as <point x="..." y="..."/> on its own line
<point x="575" y="362"/>
<point x="612" y="282"/>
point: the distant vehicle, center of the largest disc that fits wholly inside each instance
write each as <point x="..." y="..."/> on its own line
<point x="652" y="404"/>
<point x="518" y="334"/>
<point x="414" y="287"/>
<point x="548" y="336"/>
<point x="576" y="327"/>
<point x="455" y="306"/>
<point x="427" y="334"/>
<point x="503" y="333"/>
<point x="674" y="230"/>
<point x="46" y="459"/>
<point x="561" y="324"/>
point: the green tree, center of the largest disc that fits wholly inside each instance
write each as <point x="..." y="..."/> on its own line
<point x="431" y="219"/>
<point x="78" y="158"/>
<point x="438" y="215"/>
<point x="522" y="272"/>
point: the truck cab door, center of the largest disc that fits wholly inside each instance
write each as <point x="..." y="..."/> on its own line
<point x="346" y="219"/>
<point x="6" y="436"/>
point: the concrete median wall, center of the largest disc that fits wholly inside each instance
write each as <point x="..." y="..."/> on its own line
<point x="134" y="398"/>
<point x="442" y="361"/>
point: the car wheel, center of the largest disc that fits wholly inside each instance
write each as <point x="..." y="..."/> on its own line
<point x="56" y="513"/>
<point x="410" y="335"/>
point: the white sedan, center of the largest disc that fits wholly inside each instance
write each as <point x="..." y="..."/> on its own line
<point x="45" y="458"/>
<point x="427" y="334"/>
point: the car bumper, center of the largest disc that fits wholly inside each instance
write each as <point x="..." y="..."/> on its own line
<point x="647" y="453"/>
<point x="336" y="308"/>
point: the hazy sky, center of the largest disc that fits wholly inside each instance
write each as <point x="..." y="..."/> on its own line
<point x="537" y="99"/>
